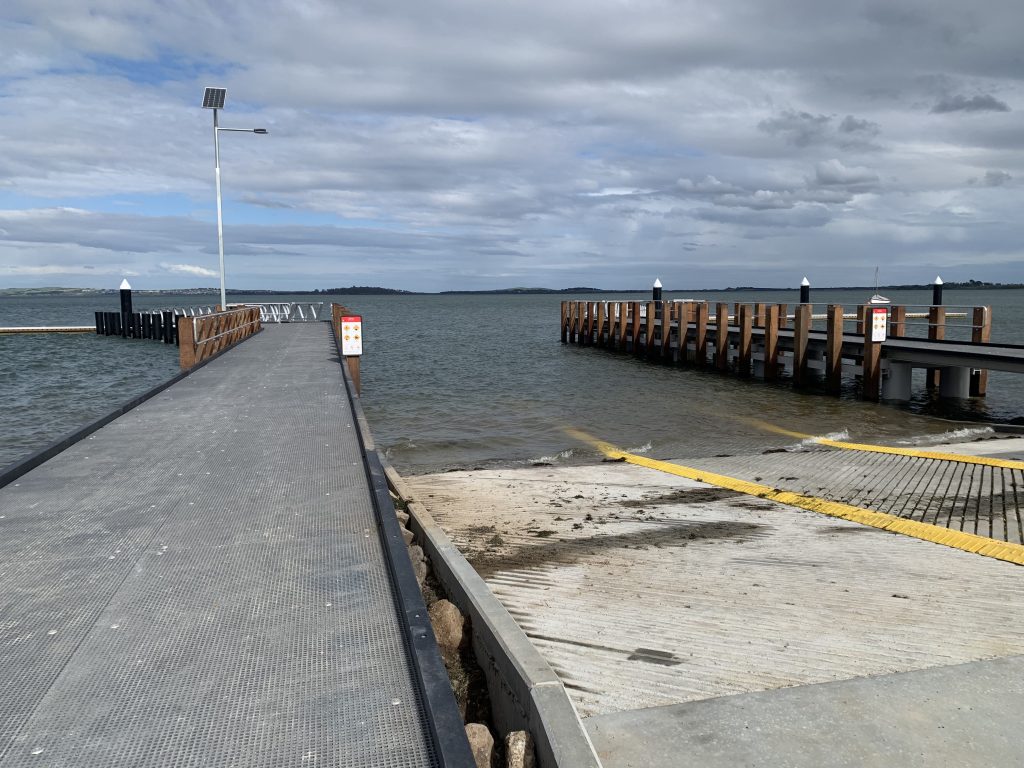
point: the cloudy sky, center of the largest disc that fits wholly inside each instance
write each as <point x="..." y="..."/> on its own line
<point x="458" y="144"/>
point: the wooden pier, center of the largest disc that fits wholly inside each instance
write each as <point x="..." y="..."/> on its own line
<point x="764" y="340"/>
<point x="22" y="329"/>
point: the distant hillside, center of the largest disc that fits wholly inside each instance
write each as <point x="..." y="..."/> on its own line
<point x="362" y="290"/>
<point x="369" y="290"/>
<point x="506" y="291"/>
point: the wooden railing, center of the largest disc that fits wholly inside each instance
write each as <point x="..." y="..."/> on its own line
<point x="203" y="336"/>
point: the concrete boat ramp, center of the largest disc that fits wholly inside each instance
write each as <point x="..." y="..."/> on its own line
<point x="694" y="624"/>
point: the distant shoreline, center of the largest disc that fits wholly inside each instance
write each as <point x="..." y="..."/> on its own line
<point x="377" y="291"/>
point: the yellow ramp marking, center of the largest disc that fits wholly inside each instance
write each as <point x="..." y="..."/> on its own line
<point x="968" y="542"/>
<point x="983" y="460"/>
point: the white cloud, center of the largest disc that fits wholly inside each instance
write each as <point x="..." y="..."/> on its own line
<point x="189" y="269"/>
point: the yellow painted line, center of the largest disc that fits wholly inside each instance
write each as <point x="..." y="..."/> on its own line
<point x="968" y="542"/>
<point x="938" y="455"/>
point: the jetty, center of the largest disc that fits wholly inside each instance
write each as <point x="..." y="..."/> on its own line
<point x="879" y="345"/>
<point x="217" y="577"/>
<point x="21" y="329"/>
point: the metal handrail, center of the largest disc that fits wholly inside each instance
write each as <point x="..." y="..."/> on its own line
<point x="288" y="311"/>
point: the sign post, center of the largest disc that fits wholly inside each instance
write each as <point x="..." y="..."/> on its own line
<point x="874" y="321"/>
<point x="352" y="345"/>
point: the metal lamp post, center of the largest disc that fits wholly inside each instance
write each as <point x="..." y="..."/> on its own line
<point x="213" y="98"/>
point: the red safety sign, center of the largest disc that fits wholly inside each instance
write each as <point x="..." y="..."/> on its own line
<point x="879" y="321"/>
<point x="352" y="335"/>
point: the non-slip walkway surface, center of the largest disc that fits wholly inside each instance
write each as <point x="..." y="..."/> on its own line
<point x="201" y="583"/>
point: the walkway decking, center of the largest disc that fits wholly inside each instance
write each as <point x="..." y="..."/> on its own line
<point x="201" y="583"/>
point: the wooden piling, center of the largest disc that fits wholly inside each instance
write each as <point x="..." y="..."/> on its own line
<point x="623" y="325"/>
<point x="759" y="315"/>
<point x="668" y="312"/>
<point x="981" y="333"/>
<point x="783" y="315"/>
<point x="722" y="337"/>
<point x="834" y="349"/>
<point x="871" y="376"/>
<point x="649" y="345"/>
<point x="936" y="331"/>
<point x="801" y="331"/>
<point x="589" y="340"/>
<point x="634" y="311"/>
<point x="565" y="321"/>
<point x="686" y="316"/>
<point x="771" y="342"/>
<point x="898" y="321"/>
<point x="170" y="328"/>
<point x="353" y="371"/>
<point x="186" y="342"/>
<point x="701" y="334"/>
<point x="746" y="322"/>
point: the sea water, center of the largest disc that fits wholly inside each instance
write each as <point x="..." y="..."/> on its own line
<point x="482" y="380"/>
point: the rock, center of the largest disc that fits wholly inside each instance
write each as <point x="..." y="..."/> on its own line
<point x="407" y="535"/>
<point x="519" y="750"/>
<point x="448" y="625"/>
<point x="403" y="517"/>
<point x="419" y="563"/>
<point x="481" y="743"/>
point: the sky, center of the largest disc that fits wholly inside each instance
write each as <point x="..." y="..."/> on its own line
<point x="434" y="145"/>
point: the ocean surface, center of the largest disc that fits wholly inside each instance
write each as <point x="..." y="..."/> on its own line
<point x="463" y="381"/>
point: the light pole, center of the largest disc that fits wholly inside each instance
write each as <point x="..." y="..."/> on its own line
<point x="213" y="98"/>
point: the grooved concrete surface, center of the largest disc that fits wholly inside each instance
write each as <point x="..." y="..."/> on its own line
<point x="988" y="501"/>
<point x="645" y="590"/>
<point x="201" y="583"/>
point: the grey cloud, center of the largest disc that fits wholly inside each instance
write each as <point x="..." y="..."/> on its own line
<point x="851" y="124"/>
<point x="834" y="173"/>
<point x="993" y="179"/>
<point x="760" y="223"/>
<point x="469" y="136"/>
<point x="708" y="185"/>
<point x="803" y="129"/>
<point x="799" y="128"/>
<point x="983" y="102"/>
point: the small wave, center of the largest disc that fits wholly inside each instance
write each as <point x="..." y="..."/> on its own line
<point x="839" y="437"/>
<point x="566" y="454"/>
<point x="642" y="449"/>
<point x="961" y="435"/>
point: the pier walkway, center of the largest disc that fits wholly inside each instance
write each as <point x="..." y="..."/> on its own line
<point x="201" y="582"/>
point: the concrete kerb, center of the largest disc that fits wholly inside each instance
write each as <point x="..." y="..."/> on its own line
<point x="525" y="692"/>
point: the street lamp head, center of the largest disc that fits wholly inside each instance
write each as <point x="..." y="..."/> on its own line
<point x="213" y="98"/>
<point x="260" y="130"/>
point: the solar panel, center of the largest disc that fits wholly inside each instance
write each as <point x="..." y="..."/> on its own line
<point x="213" y="98"/>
